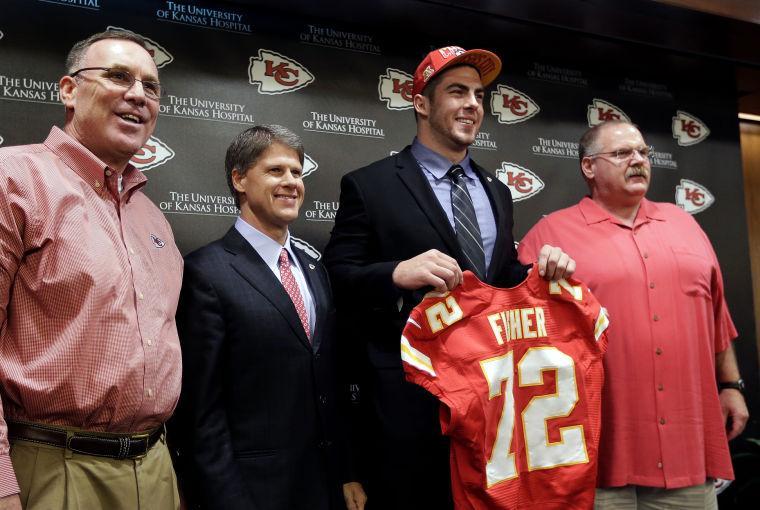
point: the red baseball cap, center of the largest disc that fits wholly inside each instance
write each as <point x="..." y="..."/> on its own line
<point x="487" y="64"/>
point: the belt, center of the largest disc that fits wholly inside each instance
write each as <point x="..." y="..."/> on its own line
<point x="115" y="446"/>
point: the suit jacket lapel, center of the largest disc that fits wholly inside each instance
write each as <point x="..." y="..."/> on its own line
<point x="317" y="288"/>
<point x="411" y="174"/>
<point x="499" y="216"/>
<point x="254" y="270"/>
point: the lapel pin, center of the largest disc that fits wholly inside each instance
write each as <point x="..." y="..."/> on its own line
<point x="489" y="179"/>
<point x="312" y="266"/>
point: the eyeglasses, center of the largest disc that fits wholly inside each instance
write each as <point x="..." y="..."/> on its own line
<point x="623" y="154"/>
<point x="126" y="80"/>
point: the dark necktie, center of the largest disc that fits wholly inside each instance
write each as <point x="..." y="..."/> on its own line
<point x="466" y="223"/>
<point x="291" y="287"/>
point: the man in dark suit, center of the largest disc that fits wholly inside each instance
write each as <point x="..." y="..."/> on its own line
<point x="406" y="224"/>
<point x="258" y="417"/>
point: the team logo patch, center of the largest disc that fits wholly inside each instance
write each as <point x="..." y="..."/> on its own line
<point x="688" y="129"/>
<point x="309" y="249"/>
<point x="511" y="106"/>
<point x="601" y="111"/>
<point x="309" y="165"/>
<point x="521" y="182"/>
<point x="427" y="72"/>
<point x="157" y="241"/>
<point x="450" y="51"/>
<point x="160" y="56"/>
<point x="274" y="73"/>
<point x="692" y="197"/>
<point x="395" y="88"/>
<point x="154" y="153"/>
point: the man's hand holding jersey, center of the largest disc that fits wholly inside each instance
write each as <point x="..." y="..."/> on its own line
<point x="440" y="271"/>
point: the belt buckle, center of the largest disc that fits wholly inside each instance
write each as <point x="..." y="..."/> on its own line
<point x="145" y="437"/>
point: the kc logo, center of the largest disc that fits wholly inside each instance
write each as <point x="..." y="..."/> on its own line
<point x="395" y="88"/>
<point x="160" y="56"/>
<point x="309" y="166"/>
<point x="511" y="106"/>
<point x="154" y="153"/>
<point x="521" y="182"/>
<point x="688" y="129"/>
<point x="601" y="111"/>
<point x="692" y="197"/>
<point x="309" y="249"/>
<point x="277" y="74"/>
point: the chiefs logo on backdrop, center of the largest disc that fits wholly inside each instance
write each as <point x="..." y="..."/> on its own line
<point x="309" y="166"/>
<point x="601" y="111"/>
<point x="277" y="74"/>
<point x="692" y="197"/>
<point x="688" y="129"/>
<point x="309" y="249"/>
<point x="511" y="106"/>
<point x="521" y="182"/>
<point x="160" y="56"/>
<point x="154" y="153"/>
<point x="395" y="88"/>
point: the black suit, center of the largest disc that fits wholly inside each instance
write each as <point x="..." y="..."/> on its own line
<point x="388" y="213"/>
<point x="257" y="421"/>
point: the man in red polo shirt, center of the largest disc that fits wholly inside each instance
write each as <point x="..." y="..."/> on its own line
<point x="664" y="415"/>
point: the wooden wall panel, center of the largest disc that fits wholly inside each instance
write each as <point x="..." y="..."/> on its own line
<point x="750" y="143"/>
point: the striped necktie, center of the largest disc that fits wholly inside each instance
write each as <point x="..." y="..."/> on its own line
<point x="466" y="223"/>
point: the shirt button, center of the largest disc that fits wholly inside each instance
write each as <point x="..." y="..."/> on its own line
<point x="655" y="317"/>
<point x="659" y="465"/>
<point x="97" y="184"/>
<point x="108" y="173"/>
<point x="140" y="295"/>
<point x="131" y="250"/>
<point x="660" y="387"/>
<point x="658" y="351"/>
<point x="149" y="342"/>
<point x="150" y="393"/>
<point x="646" y="255"/>
<point x="651" y="285"/>
<point x="662" y="421"/>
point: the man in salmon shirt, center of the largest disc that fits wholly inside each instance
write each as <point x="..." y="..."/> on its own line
<point x="672" y="385"/>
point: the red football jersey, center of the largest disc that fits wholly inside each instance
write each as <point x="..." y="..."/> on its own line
<point x="520" y="373"/>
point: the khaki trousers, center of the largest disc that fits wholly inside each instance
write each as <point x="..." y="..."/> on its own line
<point x="53" y="478"/>
<point x="636" y="497"/>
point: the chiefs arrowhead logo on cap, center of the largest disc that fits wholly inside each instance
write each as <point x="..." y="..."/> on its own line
<point x="160" y="56"/>
<point x="395" y="88"/>
<point x="688" y="129"/>
<point x="511" y="106"/>
<point x="692" y="197"/>
<point x="309" y="166"/>
<point x="521" y="182"/>
<point x="309" y="249"/>
<point x="601" y="111"/>
<point x="154" y="153"/>
<point x="274" y="73"/>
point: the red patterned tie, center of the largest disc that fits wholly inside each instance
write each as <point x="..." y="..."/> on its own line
<point x="291" y="287"/>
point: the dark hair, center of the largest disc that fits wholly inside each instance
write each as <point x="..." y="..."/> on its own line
<point x="247" y="147"/>
<point x="76" y="53"/>
<point x="587" y="143"/>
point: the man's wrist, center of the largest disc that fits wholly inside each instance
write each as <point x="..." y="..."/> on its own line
<point x="738" y="384"/>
